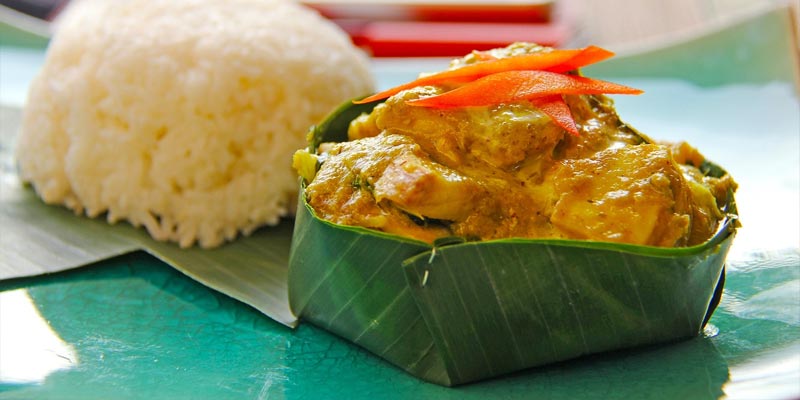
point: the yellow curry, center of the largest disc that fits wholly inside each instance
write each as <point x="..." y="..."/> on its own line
<point x="507" y="170"/>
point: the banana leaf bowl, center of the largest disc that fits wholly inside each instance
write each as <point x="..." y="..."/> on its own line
<point x="457" y="312"/>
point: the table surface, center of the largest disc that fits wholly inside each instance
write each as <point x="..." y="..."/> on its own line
<point x="132" y="327"/>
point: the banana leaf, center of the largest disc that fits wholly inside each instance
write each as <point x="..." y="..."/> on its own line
<point x="456" y="312"/>
<point x="36" y="238"/>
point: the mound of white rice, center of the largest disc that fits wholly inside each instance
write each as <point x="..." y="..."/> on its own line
<point x="182" y="115"/>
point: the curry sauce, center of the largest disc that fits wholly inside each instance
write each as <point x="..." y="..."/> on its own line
<point x="507" y="170"/>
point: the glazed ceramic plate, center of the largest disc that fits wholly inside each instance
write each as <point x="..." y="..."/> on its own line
<point x="131" y="326"/>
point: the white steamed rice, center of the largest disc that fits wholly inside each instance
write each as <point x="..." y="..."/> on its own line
<point x="182" y="115"/>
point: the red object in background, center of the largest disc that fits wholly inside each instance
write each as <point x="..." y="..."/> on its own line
<point x="446" y="39"/>
<point x="535" y="12"/>
<point x="393" y="10"/>
<point x="431" y="28"/>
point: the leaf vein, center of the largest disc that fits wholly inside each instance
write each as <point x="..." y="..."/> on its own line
<point x="569" y="299"/>
<point x="385" y="262"/>
<point x="328" y="273"/>
<point x="467" y="312"/>
<point x="538" y="305"/>
<point x="518" y="352"/>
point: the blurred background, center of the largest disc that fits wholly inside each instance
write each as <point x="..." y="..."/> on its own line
<point x="409" y="28"/>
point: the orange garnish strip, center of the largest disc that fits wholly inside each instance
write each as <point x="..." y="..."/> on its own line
<point x="539" y="87"/>
<point x="539" y="78"/>
<point x="557" y="60"/>
<point x="512" y="86"/>
<point x="557" y="109"/>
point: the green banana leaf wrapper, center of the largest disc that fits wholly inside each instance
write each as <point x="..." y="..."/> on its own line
<point x="458" y="312"/>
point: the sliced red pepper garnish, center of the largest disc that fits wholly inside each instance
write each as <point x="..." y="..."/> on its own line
<point x="588" y="55"/>
<point x="557" y="109"/>
<point x="538" y="77"/>
<point x="557" y="59"/>
<point x="513" y="86"/>
<point x="542" y="88"/>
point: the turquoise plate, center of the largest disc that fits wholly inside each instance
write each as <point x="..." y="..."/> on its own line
<point x="132" y="327"/>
